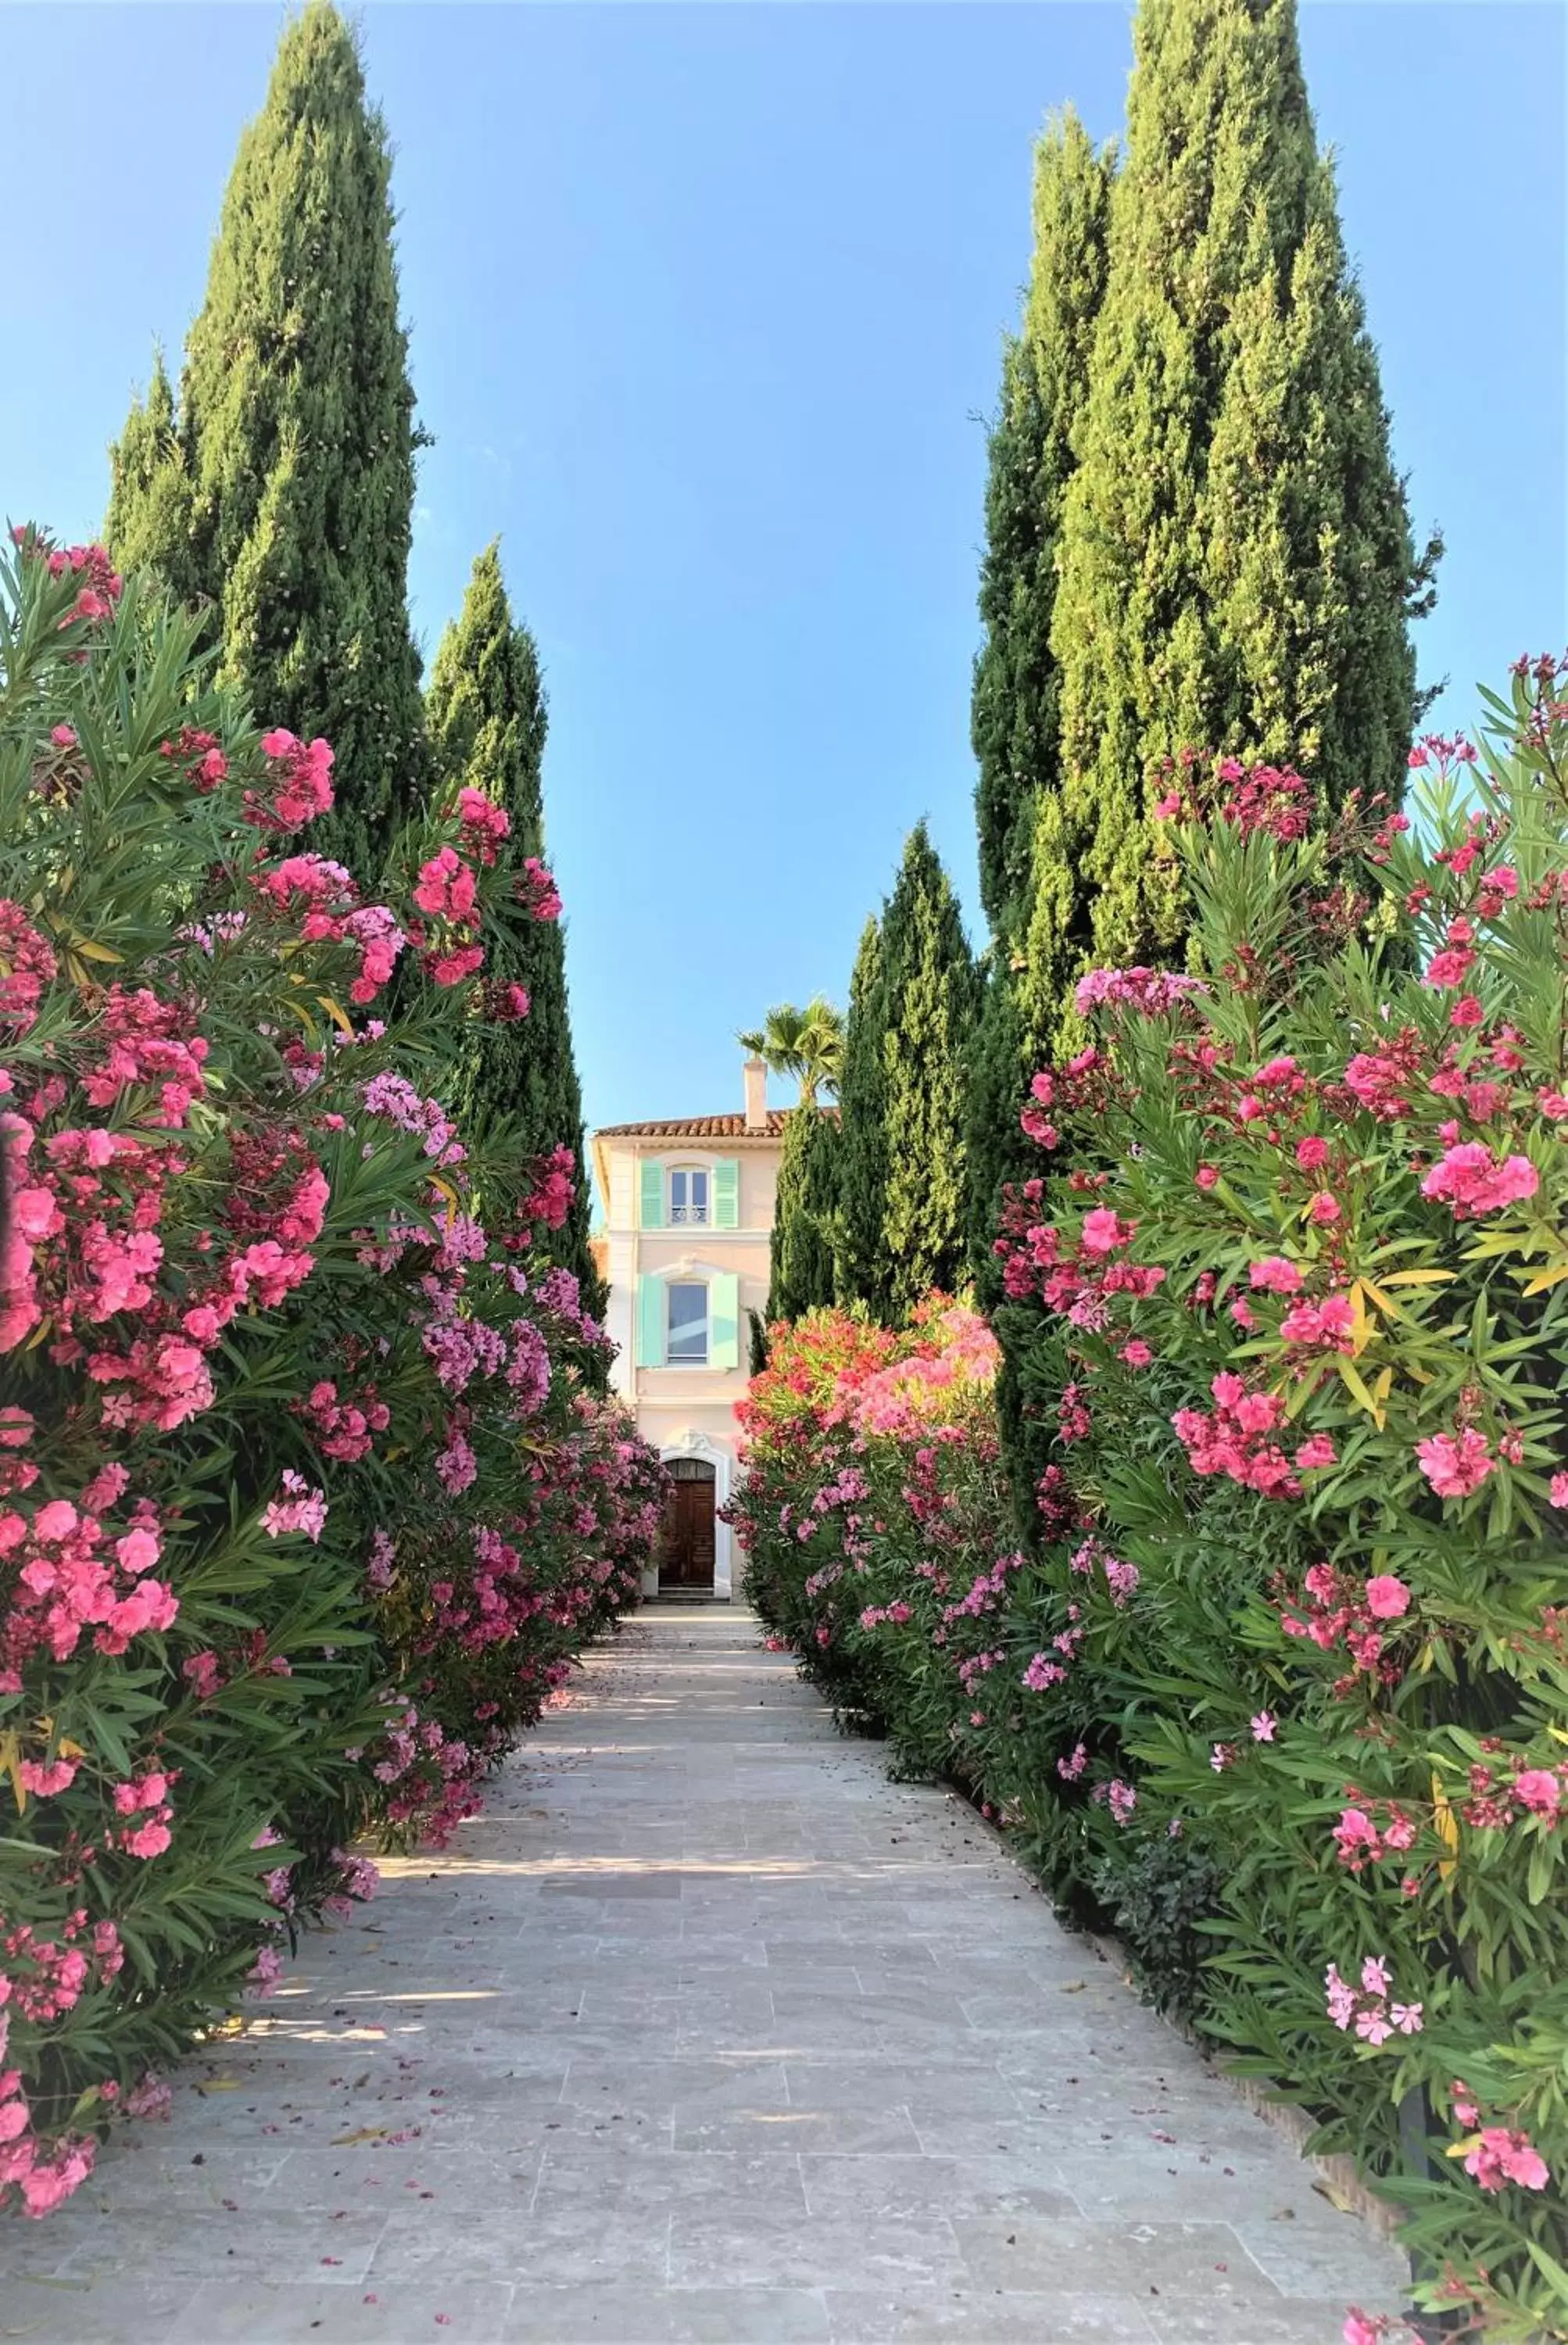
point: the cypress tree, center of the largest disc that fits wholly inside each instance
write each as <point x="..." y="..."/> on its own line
<point x="928" y="986"/>
<point x="487" y="721"/>
<point x="1014" y="720"/>
<point x="800" y="1253"/>
<point x="863" y="1156"/>
<point x="149" y="503"/>
<point x="1237" y="569"/>
<point x="1045" y="373"/>
<point x="283" y="491"/>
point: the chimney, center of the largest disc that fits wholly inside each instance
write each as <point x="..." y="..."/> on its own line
<point x="756" y="1094"/>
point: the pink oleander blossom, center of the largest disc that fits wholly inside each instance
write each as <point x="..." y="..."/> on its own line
<point x="1541" y="1792"/>
<point x="1455" y="1464"/>
<point x="1503" y="2154"/>
<point x="1470" y="1178"/>
<point x="299" y="1508"/>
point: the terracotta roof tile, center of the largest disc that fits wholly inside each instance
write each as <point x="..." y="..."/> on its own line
<point x="702" y="1127"/>
<point x="696" y="1127"/>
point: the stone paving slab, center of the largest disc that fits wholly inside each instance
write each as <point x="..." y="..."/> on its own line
<point x="703" y="2034"/>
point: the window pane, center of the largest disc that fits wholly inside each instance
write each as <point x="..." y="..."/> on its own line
<point x="688" y="1324"/>
<point x="688" y="1196"/>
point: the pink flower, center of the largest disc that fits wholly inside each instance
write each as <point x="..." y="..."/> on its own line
<point x="1452" y="968"/>
<point x="1387" y="1598"/>
<point x="299" y="1509"/>
<point x="1361" y="2328"/>
<point x="1474" y="1180"/>
<point x="1318" y="1449"/>
<point x="138" y="1550"/>
<point x="148" y="1840"/>
<point x="1538" y="1791"/>
<point x="1329" y="1324"/>
<point x="1206" y="1176"/>
<point x="1325" y="1208"/>
<point x="1339" y="1997"/>
<point x="1311" y="1152"/>
<point x="1103" y="1231"/>
<point x="1123" y="1800"/>
<point x="1501" y="2156"/>
<point x="266" y="1971"/>
<point x="1559" y="1491"/>
<point x="1263" y="1725"/>
<point x="1455" y="1464"/>
<point x="1137" y="1355"/>
<point x="1276" y="1274"/>
<point x="1355" y="1838"/>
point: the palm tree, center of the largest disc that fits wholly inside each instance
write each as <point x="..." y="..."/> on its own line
<point x="806" y="1043"/>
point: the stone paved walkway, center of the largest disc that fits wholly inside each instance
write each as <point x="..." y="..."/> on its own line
<point x="703" y="2031"/>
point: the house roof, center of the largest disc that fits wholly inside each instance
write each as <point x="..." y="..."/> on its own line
<point x="704" y="1127"/>
<point x="698" y="1127"/>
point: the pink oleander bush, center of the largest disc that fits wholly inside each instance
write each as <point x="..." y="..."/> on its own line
<point x="306" y="1499"/>
<point x="1274" y="1676"/>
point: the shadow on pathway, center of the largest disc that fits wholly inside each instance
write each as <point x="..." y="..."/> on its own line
<point x="702" y="2031"/>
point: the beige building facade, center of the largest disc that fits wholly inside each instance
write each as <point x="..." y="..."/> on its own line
<point x="687" y="1208"/>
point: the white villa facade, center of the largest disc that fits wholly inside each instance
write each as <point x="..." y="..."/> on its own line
<point x="684" y="1246"/>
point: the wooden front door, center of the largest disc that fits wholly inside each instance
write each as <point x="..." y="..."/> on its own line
<point x="686" y="1542"/>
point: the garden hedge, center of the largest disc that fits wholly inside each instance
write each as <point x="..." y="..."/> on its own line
<point x="305" y="1505"/>
<point x="1270" y="1672"/>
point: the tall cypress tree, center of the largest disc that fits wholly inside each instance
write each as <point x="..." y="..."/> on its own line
<point x="1015" y="709"/>
<point x="283" y="491"/>
<point x="1237" y="568"/>
<point x="487" y="723"/>
<point x="800" y="1254"/>
<point x="1045" y="374"/>
<point x="863" y="1153"/>
<point x="928" y="979"/>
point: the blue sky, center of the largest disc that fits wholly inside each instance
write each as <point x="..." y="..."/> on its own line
<point x="706" y="305"/>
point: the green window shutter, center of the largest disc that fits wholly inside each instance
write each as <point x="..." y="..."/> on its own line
<point x="724" y="1319"/>
<point x="726" y="1193"/>
<point x="652" y="1213"/>
<point x="650" y="1321"/>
